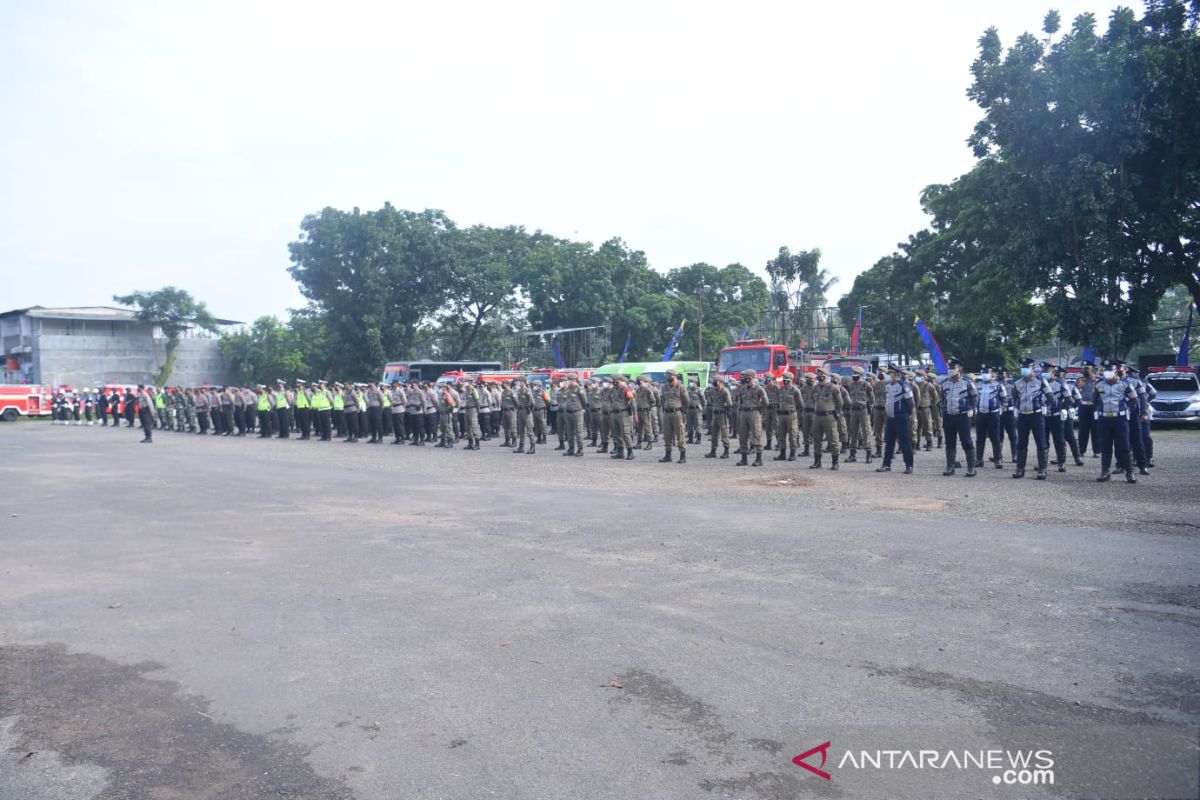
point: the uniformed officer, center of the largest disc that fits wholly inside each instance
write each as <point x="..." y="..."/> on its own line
<point x="696" y="411"/>
<point x="541" y="405"/>
<point x="1066" y="397"/>
<point x="827" y="402"/>
<point x="899" y="404"/>
<point x="959" y="401"/>
<point x="645" y="412"/>
<point x="524" y="407"/>
<point x="807" y="416"/>
<point x="350" y="412"/>
<point x="572" y="403"/>
<point x="674" y="400"/>
<point x="1137" y="416"/>
<point x="1008" y="419"/>
<point x="320" y="406"/>
<point x="447" y="406"/>
<point x="1114" y="402"/>
<point x="624" y="406"/>
<point x="993" y="396"/>
<point x="787" y="419"/>
<point x="719" y="404"/>
<point x="472" y="401"/>
<point x="858" y="418"/>
<point x="1086" y="384"/>
<point x="772" y="390"/>
<point x="1030" y="393"/>
<point x="751" y="403"/>
<point x="607" y="428"/>
<point x="924" y="398"/>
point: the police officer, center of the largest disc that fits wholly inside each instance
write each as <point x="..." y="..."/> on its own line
<point x="959" y="400"/>
<point x="645" y="412"/>
<point x="674" y="400"/>
<point x="1087" y="409"/>
<point x="524" y="405"/>
<point x="624" y="406"/>
<point x="772" y="390"/>
<point x="145" y="403"/>
<point x="472" y="401"/>
<point x="993" y="396"/>
<point x="350" y="412"/>
<point x="1137" y="416"/>
<point x="696" y="411"/>
<point x="899" y="403"/>
<point x="1030" y="395"/>
<point x="320" y="412"/>
<point x="1114" y="402"/>
<point x="858" y="418"/>
<point x="1008" y="419"/>
<point x="572" y="403"/>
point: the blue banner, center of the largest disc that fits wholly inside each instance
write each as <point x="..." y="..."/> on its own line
<point x="935" y="351"/>
<point x="1185" y="347"/>
<point x="1089" y="354"/>
<point x="674" y="341"/>
<point x="624" y="352"/>
<point x="557" y="355"/>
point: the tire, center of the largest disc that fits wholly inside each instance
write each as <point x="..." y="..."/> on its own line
<point x="10" y="415"/>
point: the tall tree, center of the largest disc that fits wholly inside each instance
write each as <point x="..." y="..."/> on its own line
<point x="173" y="311"/>
<point x="486" y="266"/>
<point x="375" y="277"/>
<point x="736" y="299"/>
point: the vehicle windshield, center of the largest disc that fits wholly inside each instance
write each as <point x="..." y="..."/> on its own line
<point x="1175" y="384"/>
<point x="390" y="375"/>
<point x="842" y="368"/>
<point x="736" y="360"/>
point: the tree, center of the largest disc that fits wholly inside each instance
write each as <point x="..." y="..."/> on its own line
<point x="375" y="277"/>
<point x="173" y="311"/>
<point x="268" y="351"/>
<point x="486" y="266"/>
<point x="735" y="300"/>
<point x="1090" y="147"/>
<point x="796" y="280"/>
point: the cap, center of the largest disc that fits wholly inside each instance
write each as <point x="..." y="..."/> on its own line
<point x="718" y="379"/>
<point x="1026" y="362"/>
<point x="1086" y="363"/>
<point x="1045" y="365"/>
<point x="859" y="371"/>
<point x="893" y="367"/>
<point x="984" y="367"/>
<point x="787" y="377"/>
<point x="301" y="380"/>
<point x="749" y="373"/>
<point x="673" y="372"/>
<point x="954" y="362"/>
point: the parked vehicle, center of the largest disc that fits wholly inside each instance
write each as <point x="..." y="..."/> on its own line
<point x="1178" y="395"/>
<point x="24" y="400"/>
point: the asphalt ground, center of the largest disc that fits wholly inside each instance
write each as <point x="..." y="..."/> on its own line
<point x="235" y="618"/>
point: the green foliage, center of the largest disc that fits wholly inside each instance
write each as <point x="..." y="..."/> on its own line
<point x="270" y="350"/>
<point x="798" y="288"/>
<point x="736" y="299"/>
<point x="173" y="311"/>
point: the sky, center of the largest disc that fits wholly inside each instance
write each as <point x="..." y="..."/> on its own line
<point x="146" y="144"/>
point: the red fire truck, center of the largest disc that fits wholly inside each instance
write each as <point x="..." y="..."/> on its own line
<point x="763" y="357"/>
<point x="19" y="400"/>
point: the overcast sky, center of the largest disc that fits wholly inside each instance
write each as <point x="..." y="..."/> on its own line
<point x="145" y="144"/>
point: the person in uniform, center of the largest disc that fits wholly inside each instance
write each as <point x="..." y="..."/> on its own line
<point x="350" y="412"/>
<point x="397" y="402"/>
<point x="827" y="402"/>
<point x="374" y="411"/>
<point x="807" y="415"/>
<point x="1030" y="394"/>
<point x="861" y="401"/>
<point x="524" y="401"/>
<point x="935" y="386"/>
<point x="720" y="401"/>
<point x="674" y="400"/>
<point x="1068" y="398"/>
<point x="320" y="408"/>
<point x="899" y="404"/>
<point x="1087" y="410"/>
<point x="878" y="409"/>
<point x="572" y="402"/>
<point x="645" y="410"/>
<point x="1114" y="401"/>
<point x="840" y="418"/>
<point x="145" y="403"/>
<point x="1138" y="415"/>
<point x="624" y="406"/>
<point x="414" y="413"/>
<point x="772" y="390"/>
<point x="606" y="415"/>
<point x="787" y="422"/>
<point x="993" y="396"/>
<point x="751" y="403"/>
<point x="1008" y="419"/>
<point x="447" y="404"/>
<point x="960" y="398"/>
<point x="301" y="412"/>
<point x="924" y="398"/>
<point x="472" y="401"/>
<point x="695" y="415"/>
<point x="280" y="404"/>
<point x="540" y="406"/>
<point x="508" y="414"/>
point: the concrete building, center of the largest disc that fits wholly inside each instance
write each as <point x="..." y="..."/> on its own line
<point x="97" y="346"/>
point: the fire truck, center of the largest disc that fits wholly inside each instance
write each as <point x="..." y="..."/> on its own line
<point x="24" y="401"/>
<point x="764" y="357"/>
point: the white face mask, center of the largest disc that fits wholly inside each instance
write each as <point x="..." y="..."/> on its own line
<point x="918" y="379"/>
<point x="985" y="378"/>
<point x="1109" y="374"/>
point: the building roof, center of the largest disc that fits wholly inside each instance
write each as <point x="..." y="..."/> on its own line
<point x="95" y="313"/>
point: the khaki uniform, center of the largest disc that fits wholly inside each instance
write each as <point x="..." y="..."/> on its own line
<point x="751" y="403"/>
<point x="938" y="397"/>
<point x="695" y="414"/>
<point x="594" y="412"/>
<point x="645" y="411"/>
<point x="787" y="420"/>
<point x="772" y="390"/>
<point x="541" y="402"/>
<point x="720" y="401"/>
<point x="878" y="414"/>
<point x="806" y="416"/>
<point x="675" y="402"/>
<point x="862" y="400"/>
<point x="572" y="401"/>
<point x="508" y="415"/>
<point x="926" y="396"/>
<point x="524" y="400"/>
<point x="827" y="402"/>
<point x="607" y="430"/>
<point x="624" y="407"/>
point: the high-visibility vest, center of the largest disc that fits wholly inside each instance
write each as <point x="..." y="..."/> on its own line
<point x="264" y="402"/>
<point x="280" y="401"/>
<point x="387" y="401"/>
<point x="158" y="401"/>
<point x="339" y="404"/>
<point x="320" y="400"/>
<point x="362" y="401"/>
<point x="301" y="399"/>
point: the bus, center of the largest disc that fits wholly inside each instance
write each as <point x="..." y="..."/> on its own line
<point x="426" y="370"/>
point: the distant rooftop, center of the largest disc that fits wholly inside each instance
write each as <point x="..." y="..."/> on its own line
<point x="97" y="313"/>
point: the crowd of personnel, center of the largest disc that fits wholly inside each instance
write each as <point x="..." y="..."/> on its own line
<point x="872" y="414"/>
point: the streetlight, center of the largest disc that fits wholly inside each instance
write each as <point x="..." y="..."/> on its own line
<point x="700" y="292"/>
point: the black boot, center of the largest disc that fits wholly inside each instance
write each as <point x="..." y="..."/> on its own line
<point x="616" y="453"/>
<point x="570" y="451"/>
<point x="712" y="453"/>
<point x="868" y="452"/>
<point x="791" y="454"/>
<point x="1104" y="476"/>
<point x="757" y="460"/>
<point x="682" y="457"/>
<point x="950" y="469"/>
<point x="649" y="445"/>
<point x="834" y="466"/>
<point x="805" y="453"/>
<point x="604" y="448"/>
<point x="744" y="461"/>
<point x="562" y="446"/>
<point x="725" y="452"/>
<point x="666" y="459"/>
<point x="1129" y="476"/>
<point x="853" y="457"/>
<point x="816" y="462"/>
<point x="629" y="456"/>
<point x="521" y="447"/>
<point x="530" y="451"/>
<point x="782" y="454"/>
<point x="971" y="469"/>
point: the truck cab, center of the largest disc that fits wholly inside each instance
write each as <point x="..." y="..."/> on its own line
<point x="756" y="354"/>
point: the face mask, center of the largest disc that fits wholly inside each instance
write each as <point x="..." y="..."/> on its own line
<point x="985" y="378"/>
<point x="1026" y="372"/>
<point x="887" y="378"/>
<point x="918" y="379"/>
<point x="1109" y="374"/>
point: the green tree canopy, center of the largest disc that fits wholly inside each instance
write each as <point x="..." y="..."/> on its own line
<point x="173" y="311"/>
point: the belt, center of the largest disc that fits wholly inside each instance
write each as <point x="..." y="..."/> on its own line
<point x="1113" y="414"/>
<point x="824" y="413"/>
<point x="606" y="413"/>
<point x="784" y="413"/>
<point x="748" y="410"/>
<point x="857" y="408"/>
<point x="1027" y="413"/>
<point x="1086" y="404"/>
<point x="671" y="410"/>
<point x="983" y="412"/>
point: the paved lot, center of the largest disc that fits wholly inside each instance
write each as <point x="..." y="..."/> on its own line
<point x="237" y="618"/>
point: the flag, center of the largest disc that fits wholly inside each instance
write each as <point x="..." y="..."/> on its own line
<point x="745" y="332"/>
<point x="1088" y="354"/>
<point x="1185" y="347"/>
<point x="854" y="335"/>
<point x="558" y="359"/>
<point x="674" y="341"/>
<point x="935" y="352"/>
<point x="621" y="360"/>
